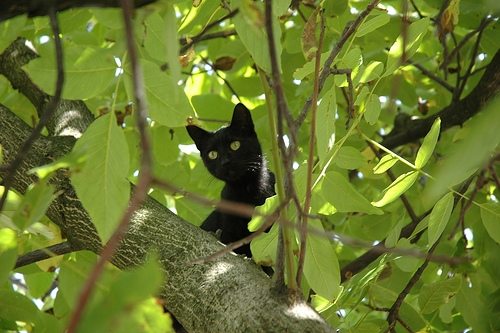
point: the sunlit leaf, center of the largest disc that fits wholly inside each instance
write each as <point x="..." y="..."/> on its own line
<point x="373" y="108"/>
<point x="434" y="295"/>
<point x="439" y="217"/>
<point x="88" y="71"/>
<point x="321" y="266"/>
<point x="35" y="202"/>
<point x="397" y="187"/>
<point x="9" y="29"/>
<point x="106" y="196"/>
<point x="427" y="148"/>
<point x="372" y="24"/>
<point x="413" y="38"/>
<point x="341" y="194"/>
<point x="490" y="215"/>
<point x="168" y="104"/>
<point x="325" y="125"/>
<point x="350" y="158"/>
<point x="8" y="252"/>
<point x="385" y="163"/>
<point x="253" y="33"/>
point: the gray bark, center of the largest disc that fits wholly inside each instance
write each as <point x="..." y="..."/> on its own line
<point x="231" y="294"/>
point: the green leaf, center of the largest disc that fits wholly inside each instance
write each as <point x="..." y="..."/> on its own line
<point x="372" y="71"/>
<point x="490" y="214"/>
<point x="325" y="125"/>
<point x="155" y="39"/>
<point x="15" y="306"/>
<point x="166" y="144"/>
<point x="87" y="71"/>
<point x="264" y="247"/>
<point x="341" y="194"/>
<point x="321" y="267"/>
<point x="110" y="17"/>
<point x="350" y="158"/>
<point x="101" y="182"/>
<point x="373" y="108"/>
<point x="406" y="263"/>
<point x="471" y="307"/>
<point x="10" y="29"/>
<point x="414" y="36"/>
<point x="385" y="164"/>
<point x="35" y="202"/>
<point x="427" y="148"/>
<point x="168" y="104"/>
<point x="439" y="217"/>
<point x="335" y="7"/>
<point x="398" y="187"/>
<point x="38" y="283"/>
<point x="8" y="252"/>
<point x="434" y="295"/>
<point x="249" y="25"/>
<point x="372" y="24"/>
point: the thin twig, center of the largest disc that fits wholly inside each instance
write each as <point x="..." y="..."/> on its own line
<point x="479" y="185"/>
<point x="286" y="157"/>
<point x="145" y="177"/>
<point x="199" y="36"/>
<point x="471" y="65"/>
<point x="431" y="76"/>
<point x="222" y="78"/>
<point x="310" y="161"/>
<point x="348" y="31"/>
<point x="447" y="59"/>
<point x="393" y="313"/>
<point x="218" y="34"/>
<point x="268" y="222"/>
<point x="47" y="114"/>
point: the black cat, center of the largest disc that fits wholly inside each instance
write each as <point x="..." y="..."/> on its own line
<point x="233" y="155"/>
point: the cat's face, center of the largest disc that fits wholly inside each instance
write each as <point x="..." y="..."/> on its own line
<point x="232" y="153"/>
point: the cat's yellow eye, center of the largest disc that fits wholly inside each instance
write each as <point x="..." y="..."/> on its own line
<point x="212" y="154"/>
<point x="235" y="145"/>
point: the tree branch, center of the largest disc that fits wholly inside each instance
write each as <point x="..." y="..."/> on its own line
<point x="12" y="8"/>
<point x="454" y="114"/>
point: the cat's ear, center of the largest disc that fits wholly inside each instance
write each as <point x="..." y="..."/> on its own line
<point x="242" y="120"/>
<point x="199" y="135"/>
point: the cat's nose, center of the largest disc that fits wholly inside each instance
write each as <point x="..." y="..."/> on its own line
<point x="224" y="160"/>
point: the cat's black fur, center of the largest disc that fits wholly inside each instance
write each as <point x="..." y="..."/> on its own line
<point x="244" y="170"/>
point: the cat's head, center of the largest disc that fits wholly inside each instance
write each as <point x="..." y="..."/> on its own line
<point x="232" y="153"/>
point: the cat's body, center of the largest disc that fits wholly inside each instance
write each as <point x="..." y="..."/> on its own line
<point x="233" y="155"/>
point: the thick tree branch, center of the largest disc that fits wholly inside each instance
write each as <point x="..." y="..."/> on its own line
<point x="12" y="8"/>
<point x="454" y="114"/>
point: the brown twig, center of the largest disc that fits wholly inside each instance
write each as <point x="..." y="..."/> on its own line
<point x="394" y="312"/>
<point x="310" y="161"/>
<point x="431" y="76"/>
<point x="268" y="222"/>
<point x="47" y="114"/>
<point x="479" y="185"/>
<point x="447" y="59"/>
<point x="199" y="36"/>
<point x="220" y="76"/>
<point x="471" y="65"/>
<point x="145" y="177"/>
<point x="348" y="31"/>
<point x="287" y="157"/>
<point x="218" y="34"/>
